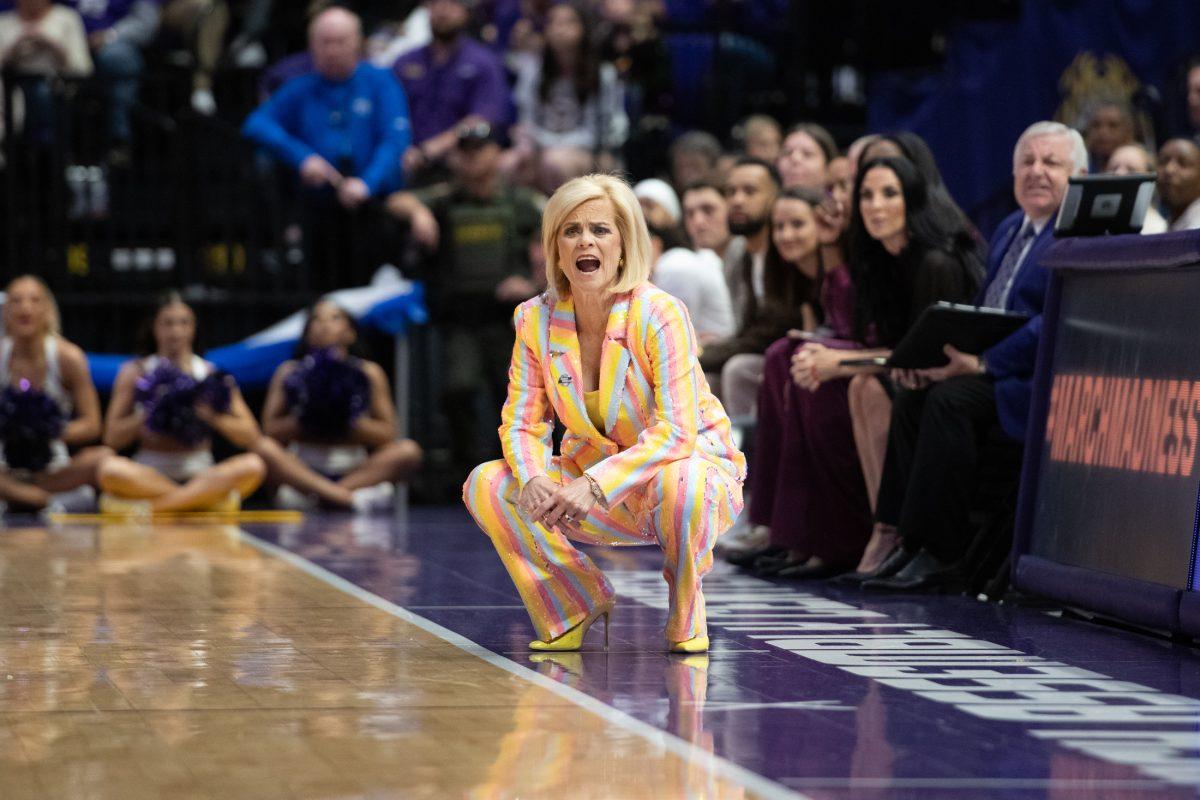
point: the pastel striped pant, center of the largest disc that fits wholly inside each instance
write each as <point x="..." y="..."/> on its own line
<point x="683" y="508"/>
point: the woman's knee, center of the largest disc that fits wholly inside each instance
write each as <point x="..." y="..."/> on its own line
<point x="113" y="470"/>
<point x="487" y="481"/>
<point x="403" y="457"/>
<point x="246" y="467"/>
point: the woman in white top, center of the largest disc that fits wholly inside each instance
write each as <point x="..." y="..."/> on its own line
<point x="33" y="352"/>
<point x="356" y="470"/>
<point x="1135" y="158"/>
<point x="570" y="106"/>
<point x="167" y="474"/>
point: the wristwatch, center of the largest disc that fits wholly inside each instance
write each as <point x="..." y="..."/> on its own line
<point x="983" y="370"/>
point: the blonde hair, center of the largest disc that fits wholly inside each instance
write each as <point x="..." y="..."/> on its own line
<point x="53" y="319"/>
<point x="631" y="224"/>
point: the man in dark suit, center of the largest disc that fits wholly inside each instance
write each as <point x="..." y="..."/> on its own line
<point x="942" y="417"/>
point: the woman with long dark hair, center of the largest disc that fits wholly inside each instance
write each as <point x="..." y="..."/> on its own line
<point x="570" y="105"/>
<point x="169" y="404"/>
<point x="807" y="484"/>
<point x="332" y="411"/>
<point x="792" y="278"/>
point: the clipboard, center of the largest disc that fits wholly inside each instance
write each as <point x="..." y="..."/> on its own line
<point x="971" y="329"/>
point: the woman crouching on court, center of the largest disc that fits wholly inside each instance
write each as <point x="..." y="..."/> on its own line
<point x="169" y="404"/>
<point x="47" y="404"/>
<point x="647" y="454"/>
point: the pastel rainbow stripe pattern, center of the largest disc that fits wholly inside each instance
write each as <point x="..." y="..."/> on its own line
<point x="665" y="459"/>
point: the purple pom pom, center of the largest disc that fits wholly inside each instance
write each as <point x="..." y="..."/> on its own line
<point x="30" y="421"/>
<point x="328" y="393"/>
<point x="168" y="397"/>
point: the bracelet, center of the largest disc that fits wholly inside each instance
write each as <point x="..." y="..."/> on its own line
<point x="597" y="492"/>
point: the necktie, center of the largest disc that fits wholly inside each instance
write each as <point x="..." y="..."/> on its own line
<point x="997" y="291"/>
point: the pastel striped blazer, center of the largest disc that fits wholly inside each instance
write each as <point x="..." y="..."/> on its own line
<point x="656" y="403"/>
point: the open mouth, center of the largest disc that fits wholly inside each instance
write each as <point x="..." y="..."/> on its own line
<point x="587" y="264"/>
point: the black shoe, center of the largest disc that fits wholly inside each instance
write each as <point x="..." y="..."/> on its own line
<point x="890" y="566"/>
<point x="767" y="566"/>
<point x="925" y="573"/>
<point x="808" y="572"/>
<point x="746" y="558"/>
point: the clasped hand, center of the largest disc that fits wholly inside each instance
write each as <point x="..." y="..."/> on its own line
<point x="564" y="507"/>
<point x="814" y="364"/>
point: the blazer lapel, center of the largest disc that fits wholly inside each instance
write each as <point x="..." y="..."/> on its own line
<point x="565" y="369"/>
<point x="614" y="364"/>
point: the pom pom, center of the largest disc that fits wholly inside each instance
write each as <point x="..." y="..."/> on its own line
<point x="168" y="397"/>
<point x="30" y="421"/>
<point x="328" y="393"/>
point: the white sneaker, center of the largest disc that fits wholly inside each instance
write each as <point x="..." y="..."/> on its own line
<point x="79" y="500"/>
<point x="203" y="102"/>
<point x="293" y="499"/>
<point x="373" y="498"/>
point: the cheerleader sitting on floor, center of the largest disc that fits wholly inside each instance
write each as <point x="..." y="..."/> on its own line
<point x="169" y="404"/>
<point x="333" y="413"/>
<point x="47" y="403"/>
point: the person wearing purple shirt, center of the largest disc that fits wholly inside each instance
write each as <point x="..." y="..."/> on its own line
<point x="118" y="31"/>
<point x="451" y="82"/>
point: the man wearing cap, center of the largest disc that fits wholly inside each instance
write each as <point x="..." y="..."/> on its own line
<point x="452" y="81"/>
<point x="483" y="236"/>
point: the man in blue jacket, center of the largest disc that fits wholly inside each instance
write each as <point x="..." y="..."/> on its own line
<point x="942" y="417"/>
<point x="344" y="127"/>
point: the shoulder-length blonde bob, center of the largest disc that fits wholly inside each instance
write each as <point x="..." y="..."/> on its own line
<point x="635" y="238"/>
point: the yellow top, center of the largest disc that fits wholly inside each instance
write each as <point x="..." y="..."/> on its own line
<point x="592" y="401"/>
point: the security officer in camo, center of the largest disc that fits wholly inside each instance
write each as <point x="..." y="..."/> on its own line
<point x="485" y="258"/>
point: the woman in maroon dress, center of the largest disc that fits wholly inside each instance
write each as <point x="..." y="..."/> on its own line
<point x="806" y="481"/>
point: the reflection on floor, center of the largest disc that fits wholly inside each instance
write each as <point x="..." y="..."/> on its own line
<point x="181" y="662"/>
<point x="188" y="662"/>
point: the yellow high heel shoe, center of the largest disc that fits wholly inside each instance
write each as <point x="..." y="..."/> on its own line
<point x="697" y="644"/>
<point x="573" y="638"/>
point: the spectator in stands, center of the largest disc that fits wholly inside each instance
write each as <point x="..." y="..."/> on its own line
<point x="706" y="218"/>
<point x="38" y="41"/>
<point x="38" y="365"/>
<point x="941" y="417"/>
<point x="660" y="204"/>
<point x="451" y="82"/>
<point x="201" y="25"/>
<point x="118" y="31"/>
<point x="908" y="254"/>
<point x="1179" y="183"/>
<point x="483" y="232"/>
<point x="789" y="298"/>
<point x="169" y="473"/>
<point x="762" y="137"/>
<point x="805" y="155"/>
<point x="343" y="129"/>
<point x="696" y="277"/>
<point x="1132" y="159"/>
<point x="749" y="191"/>
<point x="1192" y="86"/>
<point x="570" y="105"/>
<point x="693" y="158"/>
<point x="1108" y="124"/>
<point x="630" y="41"/>
<point x="40" y="38"/>
<point x="356" y="468"/>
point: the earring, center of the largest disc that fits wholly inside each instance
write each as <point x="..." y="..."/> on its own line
<point x="621" y="261"/>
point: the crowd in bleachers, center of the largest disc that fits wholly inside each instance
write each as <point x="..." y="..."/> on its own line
<point x="441" y="127"/>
